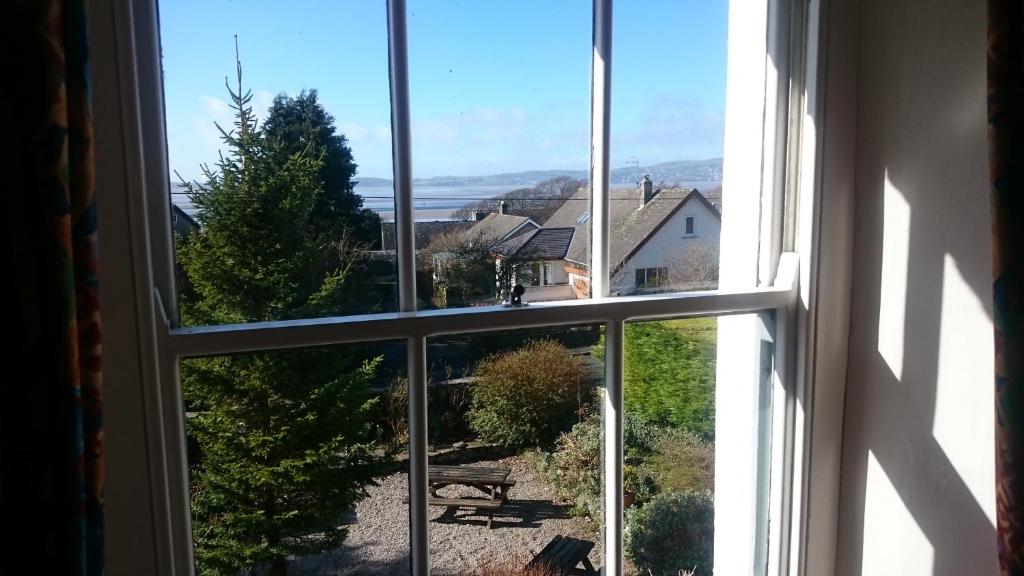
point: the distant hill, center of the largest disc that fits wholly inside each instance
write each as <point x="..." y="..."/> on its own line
<point x="668" y="172"/>
<point x="369" y="181"/>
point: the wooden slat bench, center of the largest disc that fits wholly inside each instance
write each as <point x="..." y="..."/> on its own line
<point x="493" y="482"/>
<point x="563" y="555"/>
<point x="469" y="502"/>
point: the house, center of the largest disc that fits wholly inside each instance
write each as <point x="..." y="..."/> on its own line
<point x="489" y="236"/>
<point x="182" y="224"/>
<point x="662" y="239"/>
<point x="497" y="227"/>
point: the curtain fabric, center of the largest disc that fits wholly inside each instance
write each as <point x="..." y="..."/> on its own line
<point x="52" y="454"/>
<point x="1006" y="171"/>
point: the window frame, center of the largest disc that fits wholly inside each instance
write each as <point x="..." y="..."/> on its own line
<point x="136" y="27"/>
<point x="644" y="277"/>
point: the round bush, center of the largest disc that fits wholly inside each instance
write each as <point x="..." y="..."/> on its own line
<point x="672" y="532"/>
<point x="526" y="397"/>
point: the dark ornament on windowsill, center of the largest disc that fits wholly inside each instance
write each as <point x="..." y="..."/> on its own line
<point x="516" y="299"/>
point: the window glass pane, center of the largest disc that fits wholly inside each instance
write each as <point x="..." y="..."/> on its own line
<point x="297" y="460"/>
<point x="280" y="162"/>
<point x="668" y="109"/>
<point x="514" y="415"/>
<point x="678" y="406"/>
<point x="500" y="97"/>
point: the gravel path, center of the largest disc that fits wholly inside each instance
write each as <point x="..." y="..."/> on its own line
<point x="378" y="538"/>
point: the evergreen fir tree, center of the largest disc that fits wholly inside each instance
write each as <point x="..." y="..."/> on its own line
<point x="301" y="123"/>
<point x="283" y="436"/>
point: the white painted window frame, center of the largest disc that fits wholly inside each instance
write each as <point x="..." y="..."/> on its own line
<point x="164" y="344"/>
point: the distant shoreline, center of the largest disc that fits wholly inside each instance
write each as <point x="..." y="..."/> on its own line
<point x="427" y="215"/>
<point x="432" y="202"/>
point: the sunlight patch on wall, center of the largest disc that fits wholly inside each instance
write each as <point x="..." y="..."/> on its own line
<point x="893" y="542"/>
<point x="964" y="386"/>
<point x="892" y="300"/>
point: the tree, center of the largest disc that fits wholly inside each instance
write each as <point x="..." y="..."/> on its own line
<point x="471" y="271"/>
<point x="463" y="270"/>
<point x="301" y="123"/>
<point x="695" y="268"/>
<point x="282" y="437"/>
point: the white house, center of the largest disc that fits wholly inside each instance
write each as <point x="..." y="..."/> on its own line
<point x="661" y="239"/>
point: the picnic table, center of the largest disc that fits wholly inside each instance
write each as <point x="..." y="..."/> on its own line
<point x="493" y="482"/>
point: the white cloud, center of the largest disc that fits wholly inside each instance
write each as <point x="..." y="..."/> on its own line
<point x="261" y="102"/>
<point x="200" y="141"/>
<point x="488" y="139"/>
<point x="215" y="107"/>
<point x="364" y="133"/>
<point x="670" y="127"/>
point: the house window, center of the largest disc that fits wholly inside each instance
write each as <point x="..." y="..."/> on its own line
<point x="651" y="277"/>
<point x="387" y="308"/>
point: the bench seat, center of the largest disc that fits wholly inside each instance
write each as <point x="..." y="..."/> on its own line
<point x="465" y="502"/>
<point x="563" y="554"/>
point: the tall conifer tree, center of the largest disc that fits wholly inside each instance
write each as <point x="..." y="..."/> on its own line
<point x="282" y="436"/>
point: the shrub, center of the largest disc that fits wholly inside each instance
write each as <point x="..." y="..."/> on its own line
<point x="526" y="397"/>
<point x="682" y="462"/>
<point x="447" y="408"/>
<point x="575" y="465"/>
<point x="671" y="533"/>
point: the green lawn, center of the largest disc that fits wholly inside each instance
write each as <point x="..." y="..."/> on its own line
<point x="670" y="372"/>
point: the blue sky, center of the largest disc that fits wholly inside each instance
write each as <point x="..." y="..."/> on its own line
<point x="495" y="87"/>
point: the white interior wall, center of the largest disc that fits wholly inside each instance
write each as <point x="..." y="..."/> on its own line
<point x="917" y="481"/>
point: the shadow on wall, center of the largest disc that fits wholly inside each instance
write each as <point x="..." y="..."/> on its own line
<point x="921" y="337"/>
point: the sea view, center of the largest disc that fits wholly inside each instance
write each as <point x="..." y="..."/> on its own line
<point x="430" y="202"/>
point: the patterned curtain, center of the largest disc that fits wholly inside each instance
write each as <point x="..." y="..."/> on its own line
<point x="1006" y="174"/>
<point x="52" y="455"/>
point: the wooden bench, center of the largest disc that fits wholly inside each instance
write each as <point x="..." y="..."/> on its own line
<point x="562" y="556"/>
<point x="492" y="481"/>
<point x="469" y="502"/>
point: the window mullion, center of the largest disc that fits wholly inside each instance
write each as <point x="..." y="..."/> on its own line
<point x="416" y="358"/>
<point x="600" y="281"/>
<point x="600" y="162"/>
<point x="398" y="61"/>
<point x="612" y="409"/>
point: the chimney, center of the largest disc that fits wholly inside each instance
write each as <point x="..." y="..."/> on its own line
<point x="646" y="190"/>
<point x="502" y="208"/>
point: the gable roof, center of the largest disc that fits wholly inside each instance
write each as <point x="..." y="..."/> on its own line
<point x="497" y="227"/>
<point x="631" y="226"/>
<point x="185" y="216"/>
<point x="541" y="244"/>
<point x="423" y="231"/>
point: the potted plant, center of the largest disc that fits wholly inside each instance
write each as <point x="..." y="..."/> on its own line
<point x="633" y="482"/>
